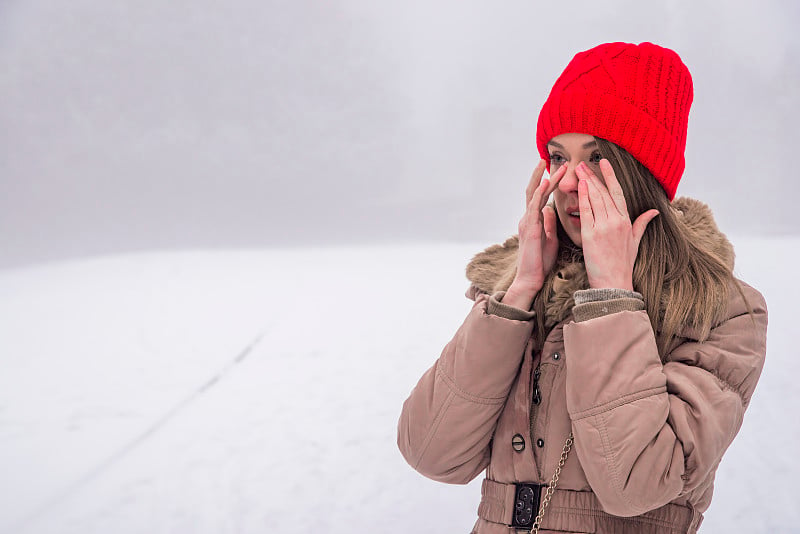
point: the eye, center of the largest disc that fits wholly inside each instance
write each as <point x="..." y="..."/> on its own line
<point x="556" y="159"/>
<point x="595" y="157"/>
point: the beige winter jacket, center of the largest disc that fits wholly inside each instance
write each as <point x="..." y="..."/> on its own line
<point x="648" y="436"/>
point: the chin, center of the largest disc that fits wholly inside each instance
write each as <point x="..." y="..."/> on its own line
<point x="573" y="236"/>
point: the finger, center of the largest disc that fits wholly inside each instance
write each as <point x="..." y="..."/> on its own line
<point x="551" y="241"/>
<point x="640" y="224"/>
<point x="535" y="205"/>
<point x="584" y="205"/>
<point x="551" y="184"/>
<point x="614" y="189"/>
<point x="536" y="178"/>
<point x="555" y="178"/>
<point x="598" y="203"/>
<point x="549" y="221"/>
<point x="533" y="182"/>
<point x="595" y="199"/>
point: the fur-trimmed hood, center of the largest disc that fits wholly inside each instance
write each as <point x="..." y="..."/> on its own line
<point x="495" y="267"/>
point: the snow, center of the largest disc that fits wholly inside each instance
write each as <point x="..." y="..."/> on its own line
<point x="258" y="391"/>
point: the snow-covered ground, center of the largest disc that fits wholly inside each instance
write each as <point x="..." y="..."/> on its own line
<point x="258" y="391"/>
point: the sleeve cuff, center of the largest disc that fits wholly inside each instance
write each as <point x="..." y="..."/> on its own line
<point x="496" y="307"/>
<point x="592" y="303"/>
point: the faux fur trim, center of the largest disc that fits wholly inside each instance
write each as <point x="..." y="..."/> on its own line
<point x="495" y="267"/>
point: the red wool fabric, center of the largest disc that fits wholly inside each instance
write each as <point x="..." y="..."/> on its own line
<point x="637" y="96"/>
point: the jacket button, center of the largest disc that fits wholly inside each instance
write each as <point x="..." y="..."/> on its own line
<point x="556" y="356"/>
<point x="518" y="443"/>
<point x="540" y="443"/>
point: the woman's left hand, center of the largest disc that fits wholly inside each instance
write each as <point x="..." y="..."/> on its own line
<point x="610" y="242"/>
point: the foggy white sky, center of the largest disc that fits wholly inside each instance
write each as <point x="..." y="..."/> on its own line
<point x="150" y="124"/>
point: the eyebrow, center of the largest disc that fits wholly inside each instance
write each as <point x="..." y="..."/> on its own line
<point x="586" y="145"/>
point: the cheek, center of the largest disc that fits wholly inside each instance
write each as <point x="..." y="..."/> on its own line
<point x="560" y="202"/>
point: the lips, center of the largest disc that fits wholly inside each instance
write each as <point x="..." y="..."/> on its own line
<point x="574" y="215"/>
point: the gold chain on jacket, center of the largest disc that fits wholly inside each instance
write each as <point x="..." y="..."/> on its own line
<point x="551" y="487"/>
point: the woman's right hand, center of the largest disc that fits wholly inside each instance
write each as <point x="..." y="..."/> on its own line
<point x="538" y="239"/>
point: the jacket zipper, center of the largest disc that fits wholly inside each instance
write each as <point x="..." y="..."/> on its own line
<point x="535" y="401"/>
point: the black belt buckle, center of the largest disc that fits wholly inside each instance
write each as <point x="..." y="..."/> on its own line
<point x="526" y="504"/>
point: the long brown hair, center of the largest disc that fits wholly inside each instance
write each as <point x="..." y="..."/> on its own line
<point x="682" y="282"/>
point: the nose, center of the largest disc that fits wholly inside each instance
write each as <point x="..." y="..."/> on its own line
<point x="569" y="183"/>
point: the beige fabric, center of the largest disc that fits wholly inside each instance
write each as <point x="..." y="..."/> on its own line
<point x="591" y="310"/>
<point x="647" y="433"/>
<point x="496" y="307"/>
<point x="606" y="293"/>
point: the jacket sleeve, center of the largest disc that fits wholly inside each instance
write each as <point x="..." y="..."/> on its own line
<point x="448" y="420"/>
<point x="647" y="432"/>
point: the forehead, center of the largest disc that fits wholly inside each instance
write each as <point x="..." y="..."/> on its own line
<point x="572" y="141"/>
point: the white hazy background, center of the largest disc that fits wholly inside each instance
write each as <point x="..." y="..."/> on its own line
<point x="233" y="236"/>
<point x="138" y="125"/>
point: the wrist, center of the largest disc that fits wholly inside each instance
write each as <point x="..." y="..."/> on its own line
<point x="522" y="287"/>
<point x="611" y="284"/>
<point x="520" y="296"/>
<point x="521" y="293"/>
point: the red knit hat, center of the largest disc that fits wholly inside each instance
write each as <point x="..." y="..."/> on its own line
<point x="637" y="96"/>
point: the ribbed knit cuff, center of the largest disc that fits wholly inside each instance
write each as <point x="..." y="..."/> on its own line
<point x="593" y="295"/>
<point x="495" y="307"/>
<point x="592" y="303"/>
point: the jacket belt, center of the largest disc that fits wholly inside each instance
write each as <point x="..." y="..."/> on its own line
<point x="571" y="510"/>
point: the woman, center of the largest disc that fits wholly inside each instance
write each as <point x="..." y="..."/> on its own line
<point x="610" y="354"/>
